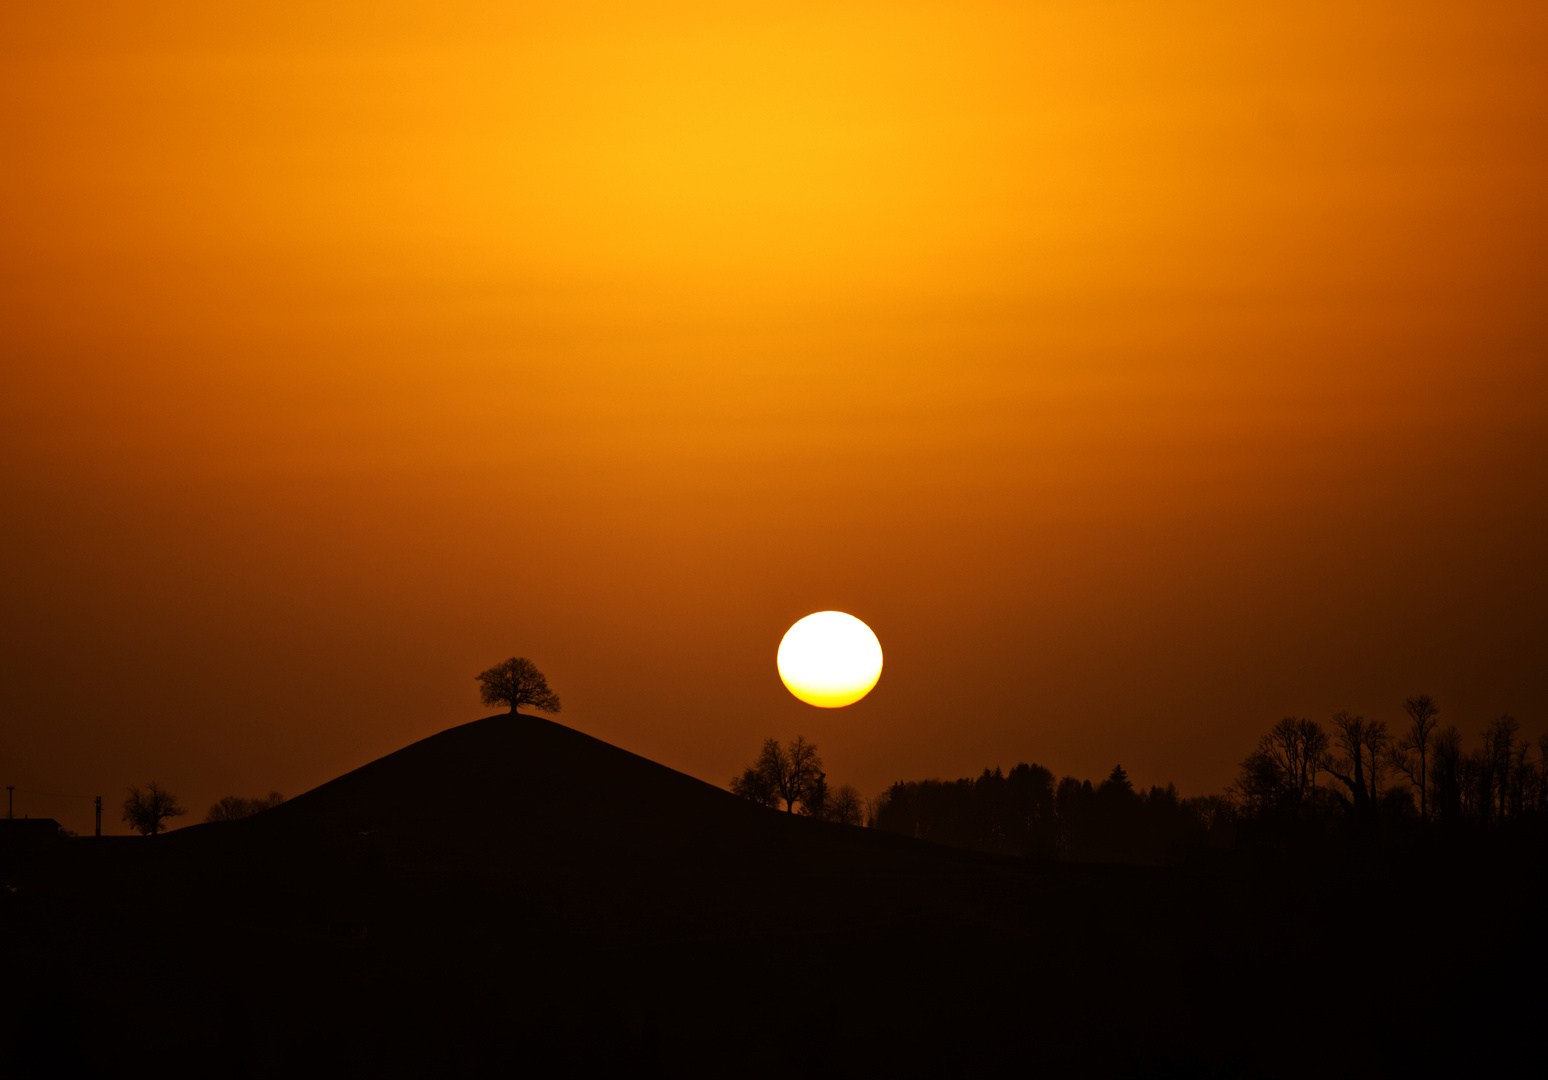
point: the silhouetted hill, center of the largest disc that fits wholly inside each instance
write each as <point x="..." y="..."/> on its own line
<point x="511" y="895"/>
<point x="592" y="835"/>
<point x="507" y="775"/>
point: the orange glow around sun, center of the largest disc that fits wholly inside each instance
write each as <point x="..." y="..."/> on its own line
<point x="1100" y="353"/>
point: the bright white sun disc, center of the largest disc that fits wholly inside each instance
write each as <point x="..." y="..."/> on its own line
<point x="830" y="659"/>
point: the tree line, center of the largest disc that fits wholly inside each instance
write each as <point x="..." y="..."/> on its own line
<point x="1353" y="777"/>
<point x="1416" y="776"/>
<point x="1023" y="812"/>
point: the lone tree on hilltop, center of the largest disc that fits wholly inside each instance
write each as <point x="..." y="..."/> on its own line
<point x="146" y="811"/>
<point x="517" y="682"/>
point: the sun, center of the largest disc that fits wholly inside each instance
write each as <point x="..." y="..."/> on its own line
<point x="830" y="659"/>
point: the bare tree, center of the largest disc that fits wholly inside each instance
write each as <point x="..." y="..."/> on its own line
<point x="875" y="806"/>
<point x="233" y="807"/>
<point x="1410" y="754"/>
<point x="1520" y="778"/>
<point x="1377" y="744"/>
<point x="792" y="774"/>
<point x="1500" y="750"/>
<point x="1541" y="802"/>
<point x="517" y="682"/>
<point x="146" y="811"/>
<point x="1448" y="774"/>
<point x="1281" y="773"/>
<point x="1260" y="787"/>
<point x="1214" y="813"/>
<point x="846" y="805"/>
<point x="804" y="774"/>
<point x="1305" y="745"/>
<point x="1478" y="770"/>
<point x="1351" y="736"/>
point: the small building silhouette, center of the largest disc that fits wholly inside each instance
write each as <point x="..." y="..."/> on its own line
<point x="22" y="835"/>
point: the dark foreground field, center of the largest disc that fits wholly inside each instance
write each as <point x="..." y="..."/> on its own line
<point x="512" y="897"/>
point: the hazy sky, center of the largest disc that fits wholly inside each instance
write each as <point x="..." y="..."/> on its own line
<point x="1140" y="373"/>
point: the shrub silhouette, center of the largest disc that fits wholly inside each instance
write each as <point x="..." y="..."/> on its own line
<point x="234" y="806"/>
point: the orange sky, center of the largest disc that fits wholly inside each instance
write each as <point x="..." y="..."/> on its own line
<point x="1140" y="373"/>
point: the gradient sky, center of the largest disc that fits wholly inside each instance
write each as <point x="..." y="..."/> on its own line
<point x="1140" y="373"/>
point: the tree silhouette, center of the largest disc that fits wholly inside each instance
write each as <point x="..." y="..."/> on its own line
<point x="1280" y="775"/>
<point x="1503" y="782"/>
<point x="757" y="784"/>
<point x="1540" y="803"/>
<point x="147" y="810"/>
<point x="1377" y="743"/>
<point x="233" y="807"/>
<point x="1117" y="783"/>
<point x="846" y="805"/>
<point x="1114" y="818"/>
<point x="1500" y="747"/>
<point x="815" y="802"/>
<point x="1411" y="753"/>
<point x="1261" y="786"/>
<point x="792" y="774"/>
<point x="1357" y="738"/>
<point x="1448" y="775"/>
<point x="1022" y="813"/>
<point x="517" y="682"/>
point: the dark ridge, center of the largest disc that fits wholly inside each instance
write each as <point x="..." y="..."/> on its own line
<point x="506" y="770"/>
<point x="522" y="783"/>
<point x="511" y="895"/>
<point x="590" y="834"/>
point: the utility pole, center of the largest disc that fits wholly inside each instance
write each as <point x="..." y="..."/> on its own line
<point x="99" y="815"/>
<point x="10" y="797"/>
